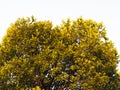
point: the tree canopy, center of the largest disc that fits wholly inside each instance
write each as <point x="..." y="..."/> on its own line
<point x="75" y="55"/>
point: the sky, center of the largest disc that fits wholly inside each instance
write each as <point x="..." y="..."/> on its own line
<point x="106" y="11"/>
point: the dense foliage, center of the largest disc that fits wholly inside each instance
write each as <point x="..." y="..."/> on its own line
<point x="75" y="55"/>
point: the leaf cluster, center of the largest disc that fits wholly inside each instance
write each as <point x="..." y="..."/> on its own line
<point x="75" y="55"/>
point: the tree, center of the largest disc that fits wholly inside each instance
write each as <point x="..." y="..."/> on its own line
<point x="75" y="55"/>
